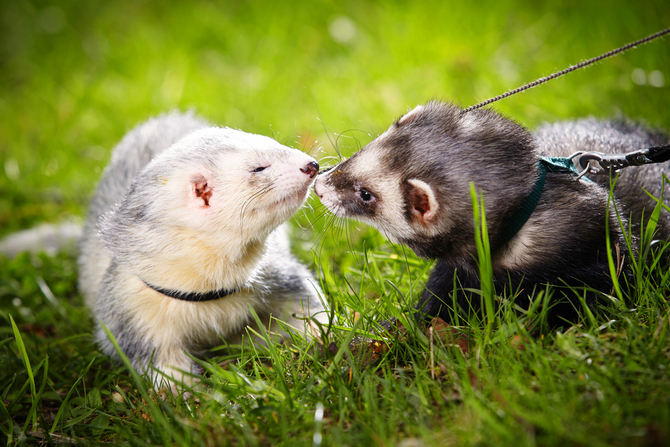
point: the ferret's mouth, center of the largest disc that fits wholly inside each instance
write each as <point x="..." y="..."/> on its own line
<point x="329" y="199"/>
<point x="291" y="200"/>
<point x="318" y="193"/>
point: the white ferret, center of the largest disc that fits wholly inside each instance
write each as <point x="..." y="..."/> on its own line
<point x="184" y="235"/>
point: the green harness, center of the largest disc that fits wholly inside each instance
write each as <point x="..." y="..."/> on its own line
<point x="579" y="164"/>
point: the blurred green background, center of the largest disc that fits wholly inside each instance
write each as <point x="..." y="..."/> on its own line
<point x="318" y="75"/>
<point x="76" y="75"/>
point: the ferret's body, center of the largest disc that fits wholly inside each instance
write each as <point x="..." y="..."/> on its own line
<point x="192" y="209"/>
<point x="412" y="183"/>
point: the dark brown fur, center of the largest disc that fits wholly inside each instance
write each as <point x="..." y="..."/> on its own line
<point x="563" y="242"/>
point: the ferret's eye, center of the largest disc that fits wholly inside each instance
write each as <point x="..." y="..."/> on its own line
<point x="365" y="195"/>
<point x="262" y="168"/>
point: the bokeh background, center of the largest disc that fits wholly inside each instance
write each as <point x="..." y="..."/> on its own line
<point x="318" y="75"/>
<point x="76" y="75"/>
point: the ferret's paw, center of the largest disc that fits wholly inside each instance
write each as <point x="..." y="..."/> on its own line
<point x="176" y="378"/>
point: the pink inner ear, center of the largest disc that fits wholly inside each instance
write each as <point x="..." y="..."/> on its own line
<point x="421" y="200"/>
<point x="420" y="203"/>
<point x="201" y="188"/>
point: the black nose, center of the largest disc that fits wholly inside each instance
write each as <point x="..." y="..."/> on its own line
<point x="311" y="169"/>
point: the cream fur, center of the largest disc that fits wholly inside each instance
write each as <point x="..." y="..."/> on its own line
<point x="163" y="231"/>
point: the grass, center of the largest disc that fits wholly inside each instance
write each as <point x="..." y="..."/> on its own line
<point x="75" y="76"/>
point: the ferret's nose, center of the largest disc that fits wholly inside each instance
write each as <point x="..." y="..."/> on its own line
<point x="311" y="169"/>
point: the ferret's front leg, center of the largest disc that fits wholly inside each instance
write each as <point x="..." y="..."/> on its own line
<point x="174" y="368"/>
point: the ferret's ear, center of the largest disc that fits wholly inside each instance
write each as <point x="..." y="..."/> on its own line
<point x="201" y="191"/>
<point x="422" y="202"/>
<point x="410" y="116"/>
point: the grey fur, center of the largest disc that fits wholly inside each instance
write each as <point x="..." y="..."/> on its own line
<point x="139" y="230"/>
<point x="49" y="238"/>
<point x="563" y="242"/>
<point x="134" y="151"/>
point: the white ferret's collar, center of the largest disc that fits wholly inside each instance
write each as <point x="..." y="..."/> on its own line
<point x="193" y="296"/>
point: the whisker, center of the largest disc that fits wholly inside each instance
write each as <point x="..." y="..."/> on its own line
<point x="254" y="197"/>
<point x="325" y="130"/>
<point x="328" y="224"/>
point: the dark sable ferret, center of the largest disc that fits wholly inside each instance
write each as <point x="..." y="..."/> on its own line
<point x="413" y="184"/>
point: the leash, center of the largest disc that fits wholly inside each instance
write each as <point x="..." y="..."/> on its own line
<point x="583" y="163"/>
<point x="600" y="163"/>
<point x="568" y="70"/>
<point x="579" y="163"/>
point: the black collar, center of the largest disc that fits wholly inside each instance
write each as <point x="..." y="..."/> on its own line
<point x="193" y="296"/>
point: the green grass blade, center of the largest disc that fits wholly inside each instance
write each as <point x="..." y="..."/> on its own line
<point x="3" y="396"/>
<point x="168" y="430"/>
<point x="9" y="431"/>
<point x="24" y="355"/>
<point x="344" y="347"/>
<point x="10" y="408"/>
<point x="139" y="381"/>
<point x="29" y="370"/>
<point x="652" y="223"/>
<point x="272" y="348"/>
<point x="613" y="267"/>
<point x="484" y="261"/>
<point x="67" y="396"/>
<point x="37" y="399"/>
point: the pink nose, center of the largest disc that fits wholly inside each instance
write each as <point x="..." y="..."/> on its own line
<point x="311" y="169"/>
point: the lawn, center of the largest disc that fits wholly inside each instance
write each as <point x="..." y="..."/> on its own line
<point x="324" y="77"/>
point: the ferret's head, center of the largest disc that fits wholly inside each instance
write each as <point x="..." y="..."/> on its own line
<point x="413" y="181"/>
<point x="221" y="179"/>
<point x="217" y="188"/>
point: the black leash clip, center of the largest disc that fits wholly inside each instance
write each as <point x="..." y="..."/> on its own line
<point x="601" y="163"/>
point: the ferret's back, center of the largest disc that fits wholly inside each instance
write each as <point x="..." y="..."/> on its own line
<point x="564" y="138"/>
<point x="590" y="134"/>
<point x="135" y="150"/>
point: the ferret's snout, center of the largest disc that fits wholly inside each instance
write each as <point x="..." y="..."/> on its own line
<point x="311" y="169"/>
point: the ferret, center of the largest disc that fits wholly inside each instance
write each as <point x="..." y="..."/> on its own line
<point x="412" y="183"/>
<point x="185" y="235"/>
